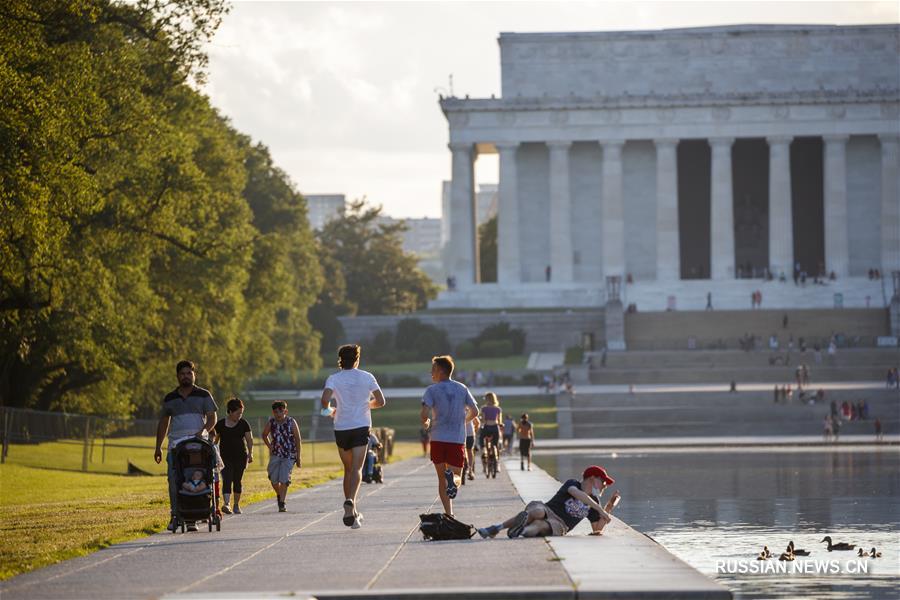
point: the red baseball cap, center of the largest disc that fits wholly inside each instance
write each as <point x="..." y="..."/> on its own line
<point x="595" y="471"/>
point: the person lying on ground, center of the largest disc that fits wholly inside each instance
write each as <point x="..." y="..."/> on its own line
<point x="574" y="501"/>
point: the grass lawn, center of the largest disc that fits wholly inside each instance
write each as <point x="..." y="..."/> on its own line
<point x="402" y="414"/>
<point x="49" y="514"/>
<point x="67" y="454"/>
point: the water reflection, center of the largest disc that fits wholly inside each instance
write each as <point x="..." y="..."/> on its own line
<point x="721" y="505"/>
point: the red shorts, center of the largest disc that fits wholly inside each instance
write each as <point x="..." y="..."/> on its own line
<point x="446" y="452"/>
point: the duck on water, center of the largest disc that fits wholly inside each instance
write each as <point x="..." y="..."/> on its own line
<point x="839" y="546"/>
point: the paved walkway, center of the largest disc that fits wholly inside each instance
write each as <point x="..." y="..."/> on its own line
<point x="309" y="550"/>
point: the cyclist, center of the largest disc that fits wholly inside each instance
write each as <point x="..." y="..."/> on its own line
<point x="491" y="419"/>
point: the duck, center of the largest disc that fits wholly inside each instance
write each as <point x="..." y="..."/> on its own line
<point x="792" y="550"/>
<point x="766" y="552"/>
<point x="786" y="556"/>
<point x="762" y="556"/>
<point x="839" y="545"/>
<point x="861" y="553"/>
<point x="873" y="553"/>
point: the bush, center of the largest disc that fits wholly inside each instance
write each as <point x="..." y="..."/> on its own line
<point x="380" y="349"/>
<point x="495" y="348"/>
<point x="502" y="331"/>
<point x="466" y="349"/>
<point x="420" y="341"/>
<point x="574" y="355"/>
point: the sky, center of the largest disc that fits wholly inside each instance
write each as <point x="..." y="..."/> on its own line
<point x="345" y="94"/>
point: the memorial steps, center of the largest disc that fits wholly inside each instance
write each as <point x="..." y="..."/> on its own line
<point x="657" y="296"/>
<point x="673" y="330"/>
<point x="655" y="415"/>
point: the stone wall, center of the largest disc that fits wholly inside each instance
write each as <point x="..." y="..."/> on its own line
<point x="751" y="58"/>
<point x="544" y="331"/>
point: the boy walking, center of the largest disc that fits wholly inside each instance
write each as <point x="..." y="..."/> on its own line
<point x="446" y="407"/>
<point x="282" y="437"/>
<point x="355" y="394"/>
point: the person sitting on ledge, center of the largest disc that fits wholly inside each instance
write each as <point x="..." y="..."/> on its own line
<point x="574" y="501"/>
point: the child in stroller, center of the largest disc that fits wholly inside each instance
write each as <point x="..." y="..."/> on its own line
<point x="372" y="470"/>
<point x="196" y="468"/>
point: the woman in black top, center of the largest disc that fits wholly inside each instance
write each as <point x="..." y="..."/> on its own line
<point x="236" y="447"/>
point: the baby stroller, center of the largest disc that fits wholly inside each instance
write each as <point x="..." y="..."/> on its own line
<point x="191" y="455"/>
<point x="372" y="468"/>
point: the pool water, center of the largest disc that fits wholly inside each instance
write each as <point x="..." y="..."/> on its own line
<point x="724" y="505"/>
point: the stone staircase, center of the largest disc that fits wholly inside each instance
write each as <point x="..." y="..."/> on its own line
<point x="715" y="414"/>
<point x="675" y="329"/>
<point x="724" y="366"/>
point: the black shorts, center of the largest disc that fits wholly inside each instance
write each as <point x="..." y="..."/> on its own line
<point x="524" y="447"/>
<point x="348" y="439"/>
<point x="491" y="431"/>
<point x="470" y="442"/>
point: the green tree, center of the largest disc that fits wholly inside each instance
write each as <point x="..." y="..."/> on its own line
<point x="487" y="250"/>
<point x="136" y="226"/>
<point x="380" y="278"/>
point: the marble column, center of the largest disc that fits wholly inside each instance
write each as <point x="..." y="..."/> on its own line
<point x="668" y="249"/>
<point x="463" y="255"/>
<point x="837" y="249"/>
<point x="561" y="255"/>
<point x="890" y="204"/>
<point x="781" y="221"/>
<point x="613" y="211"/>
<point x="509" y="267"/>
<point x="721" y="211"/>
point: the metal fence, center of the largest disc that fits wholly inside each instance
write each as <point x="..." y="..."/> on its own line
<point x="102" y="440"/>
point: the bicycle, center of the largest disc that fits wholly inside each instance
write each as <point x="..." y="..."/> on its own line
<point x="490" y="457"/>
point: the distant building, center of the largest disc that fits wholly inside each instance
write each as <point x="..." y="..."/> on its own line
<point x="323" y="208"/>
<point x="422" y="238"/>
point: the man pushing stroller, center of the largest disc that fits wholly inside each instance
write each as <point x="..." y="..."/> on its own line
<point x="188" y="411"/>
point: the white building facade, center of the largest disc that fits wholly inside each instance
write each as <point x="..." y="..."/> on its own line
<point x="323" y="208"/>
<point x="684" y="162"/>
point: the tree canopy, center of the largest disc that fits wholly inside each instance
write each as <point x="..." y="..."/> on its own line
<point x="379" y="277"/>
<point x="136" y="226"/>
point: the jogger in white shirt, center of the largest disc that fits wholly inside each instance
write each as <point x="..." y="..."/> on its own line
<point x="355" y="394"/>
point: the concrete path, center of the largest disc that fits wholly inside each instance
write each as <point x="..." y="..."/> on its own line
<point x="309" y="551"/>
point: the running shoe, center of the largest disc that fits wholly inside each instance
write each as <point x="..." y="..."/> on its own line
<point x="173" y="524"/>
<point x="226" y="510"/>
<point x="488" y="532"/>
<point x="471" y="475"/>
<point x="349" y="513"/>
<point x="451" y="484"/>
<point x="237" y="509"/>
<point x="191" y="526"/>
<point x="282" y="507"/>
<point x="518" y="526"/>
<point x="357" y="521"/>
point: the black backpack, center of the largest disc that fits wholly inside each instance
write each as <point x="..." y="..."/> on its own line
<point x="438" y="526"/>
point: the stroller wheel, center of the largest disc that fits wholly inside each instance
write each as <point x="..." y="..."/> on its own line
<point x="209" y="523"/>
<point x="182" y="527"/>
<point x="218" y="525"/>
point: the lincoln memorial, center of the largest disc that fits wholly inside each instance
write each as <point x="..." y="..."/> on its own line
<point x="674" y="166"/>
